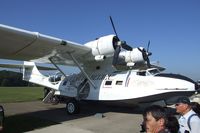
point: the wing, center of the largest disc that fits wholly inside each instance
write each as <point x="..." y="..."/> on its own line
<point x="18" y="44"/>
<point x="20" y="66"/>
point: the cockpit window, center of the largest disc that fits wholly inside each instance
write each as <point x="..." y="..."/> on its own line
<point x="143" y="73"/>
<point x="148" y="72"/>
<point x="154" y="71"/>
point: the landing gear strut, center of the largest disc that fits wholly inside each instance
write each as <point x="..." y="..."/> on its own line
<point x="49" y="96"/>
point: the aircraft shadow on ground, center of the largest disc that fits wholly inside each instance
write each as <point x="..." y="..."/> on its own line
<point x="39" y="119"/>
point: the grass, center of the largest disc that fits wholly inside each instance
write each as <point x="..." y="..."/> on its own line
<point x="22" y="122"/>
<point x="20" y="94"/>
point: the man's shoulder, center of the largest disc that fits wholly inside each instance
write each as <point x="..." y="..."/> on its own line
<point x="189" y="114"/>
<point x="194" y="117"/>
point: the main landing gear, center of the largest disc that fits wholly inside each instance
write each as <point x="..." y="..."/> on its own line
<point x="72" y="106"/>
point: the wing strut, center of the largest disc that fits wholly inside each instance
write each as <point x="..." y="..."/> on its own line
<point x="51" y="60"/>
<point x="81" y="69"/>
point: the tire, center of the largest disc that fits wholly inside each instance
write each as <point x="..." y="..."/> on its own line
<point x="72" y="107"/>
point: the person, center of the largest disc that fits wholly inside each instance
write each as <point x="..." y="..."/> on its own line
<point x="196" y="107"/>
<point x="189" y="121"/>
<point x="172" y="124"/>
<point x="1" y="118"/>
<point x="155" y="119"/>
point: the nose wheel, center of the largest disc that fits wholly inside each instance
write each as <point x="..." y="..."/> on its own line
<point x="72" y="107"/>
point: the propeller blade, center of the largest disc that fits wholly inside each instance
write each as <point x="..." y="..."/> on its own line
<point x="139" y="49"/>
<point x="116" y="55"/>
<point x="144" y="53"/>
<point x="123" y="44"/>
<point x="113" y="26"/>
<point x="117" y="46"/>
<point x="126" y="46"/>
<point x="149" y="53"/>
<point x="148" y="46"/>
<point x="148" y="63"/>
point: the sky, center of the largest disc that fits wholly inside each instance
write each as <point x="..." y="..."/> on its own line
<point x="172" y="26"/>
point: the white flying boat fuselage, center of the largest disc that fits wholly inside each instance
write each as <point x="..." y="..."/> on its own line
<point x="133" y="86"/>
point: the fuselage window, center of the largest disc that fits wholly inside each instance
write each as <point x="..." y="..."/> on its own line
<point x="108" y="83"/>
<point x="119" y="82"/>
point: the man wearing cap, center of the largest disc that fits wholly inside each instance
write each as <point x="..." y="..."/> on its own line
<point x="189" y="121"/>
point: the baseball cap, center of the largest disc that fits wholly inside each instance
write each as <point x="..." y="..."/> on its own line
<point x="184" y="100"/>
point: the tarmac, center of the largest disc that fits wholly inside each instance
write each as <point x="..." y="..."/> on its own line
<point x="93" y="118"/>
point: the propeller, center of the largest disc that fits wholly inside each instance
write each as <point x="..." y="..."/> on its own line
<point x="118" y="45"/>
<point x="146" y="54"/>
<point x="149" y="53"/>
<point x="116" y="55"/>
<point x="113" y="26"/>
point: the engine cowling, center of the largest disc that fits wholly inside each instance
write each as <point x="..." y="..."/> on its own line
<point x="103" y="46"/>
<point x="132" y="57"/>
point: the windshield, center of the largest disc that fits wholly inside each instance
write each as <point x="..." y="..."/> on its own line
<point x="153" y="71"/>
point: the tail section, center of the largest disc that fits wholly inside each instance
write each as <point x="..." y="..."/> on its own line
<point x="32" y="74"/>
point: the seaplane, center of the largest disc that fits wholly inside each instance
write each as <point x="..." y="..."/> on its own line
<point x="110" y="69"/>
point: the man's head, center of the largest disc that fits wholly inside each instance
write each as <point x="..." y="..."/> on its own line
<point x="183" y="105"/>
<point x="155" y="119"/>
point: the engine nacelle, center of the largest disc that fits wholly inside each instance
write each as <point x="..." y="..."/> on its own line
<point x="134" y="56"/>
<point x="103" y="46"/>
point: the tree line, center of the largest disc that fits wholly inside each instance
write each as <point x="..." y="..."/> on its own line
<point x="10" y="78"/>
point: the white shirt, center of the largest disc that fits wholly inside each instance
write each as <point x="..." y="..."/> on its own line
<point x="194" y="123"/>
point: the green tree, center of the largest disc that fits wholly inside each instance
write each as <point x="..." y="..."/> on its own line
<point x="5" y="82"/>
